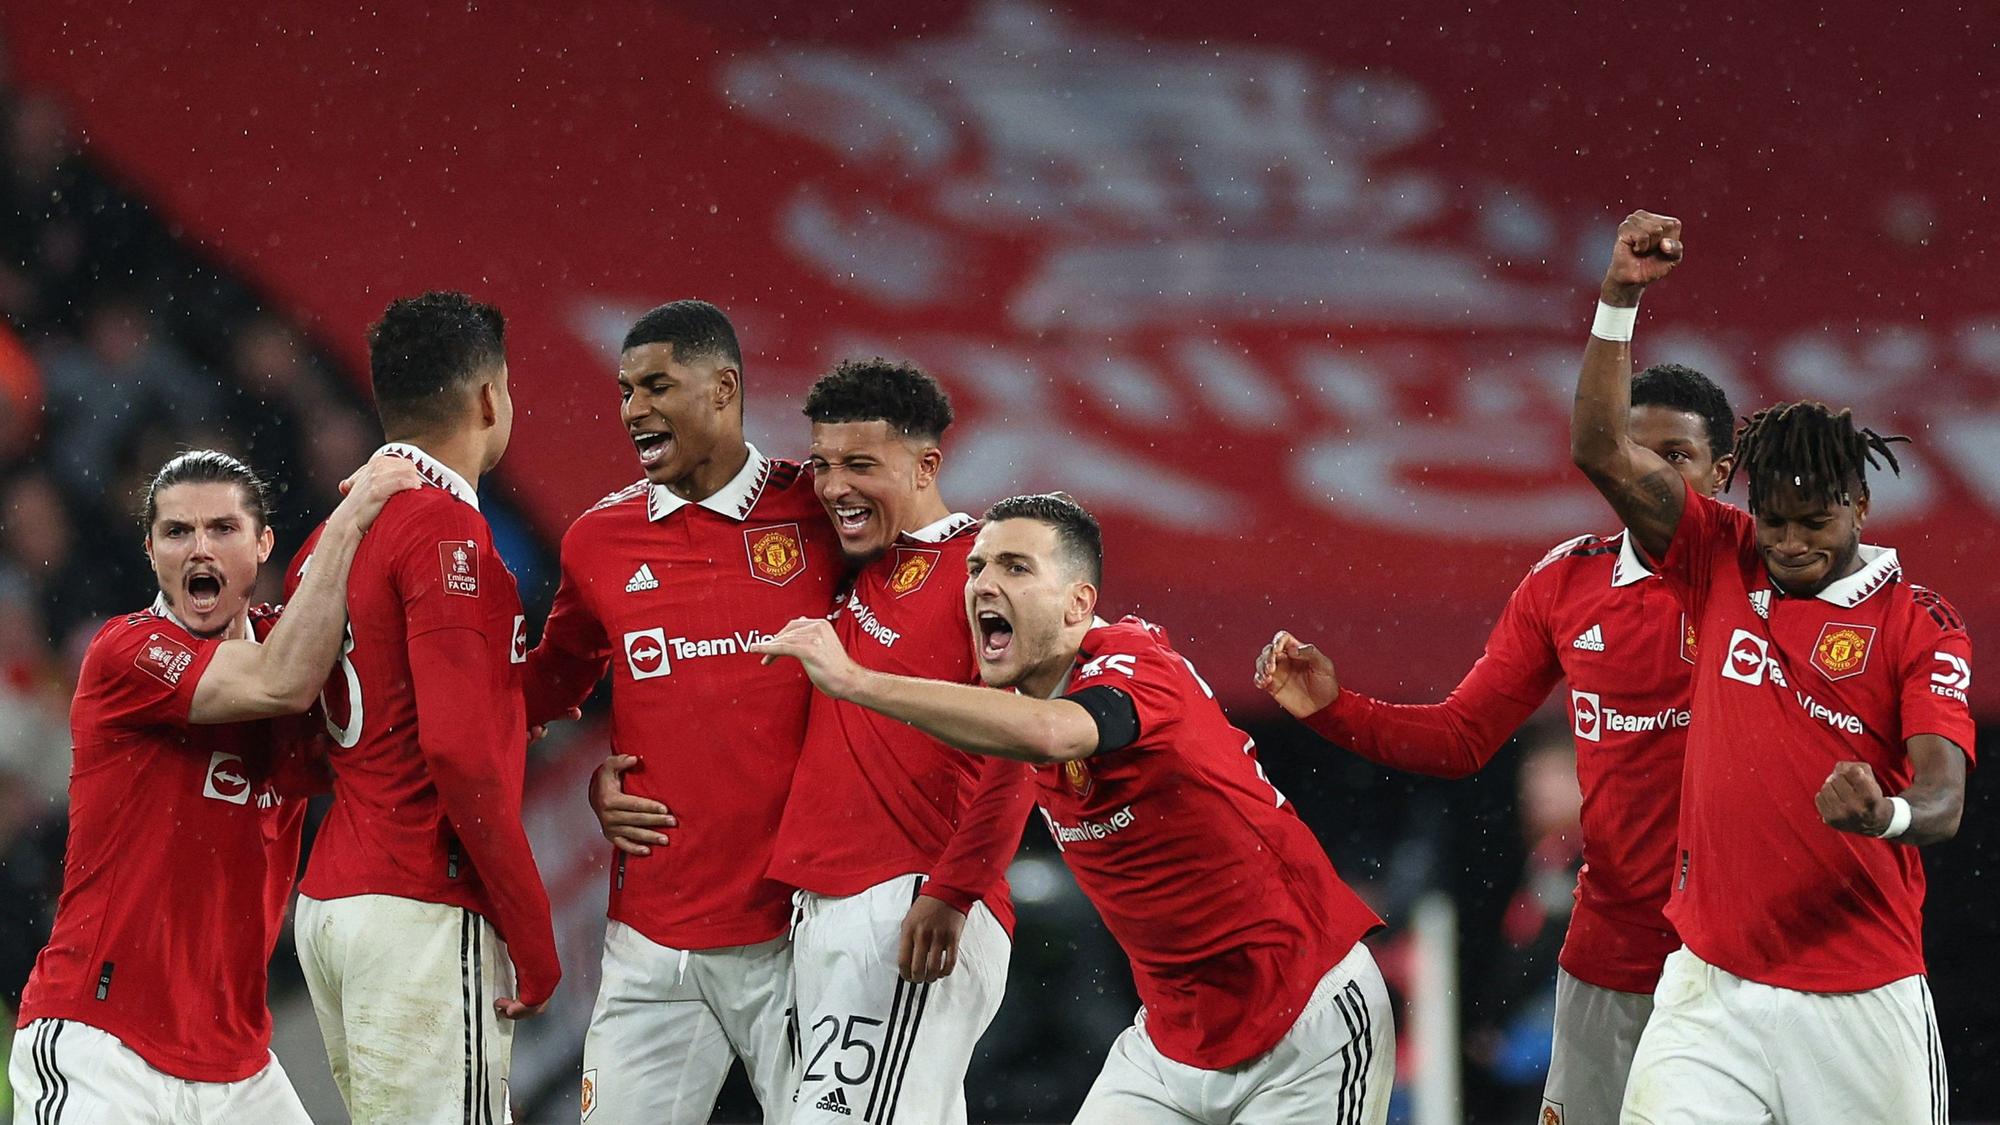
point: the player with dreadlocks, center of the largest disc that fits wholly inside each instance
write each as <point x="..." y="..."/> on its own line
<point x="1823" y="683"/>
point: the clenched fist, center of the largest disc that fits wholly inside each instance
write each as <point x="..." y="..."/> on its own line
<point x="1648" y="248"/>
<point x="1852" y="800"/>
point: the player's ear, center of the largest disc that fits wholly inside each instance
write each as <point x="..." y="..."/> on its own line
<point x="1082" y="603"/>
<point x="930" y="461"/>
<point x="489" y="404"/>
<point x="265" y="541"/>
<point x="1722" y="466"/>
<point x="1860" y="510"/>
<point x="728" y="388"/>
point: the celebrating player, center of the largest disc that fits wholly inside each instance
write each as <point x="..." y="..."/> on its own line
<point x="182" y="846"/>
<point x="1261" y="1003"/>
<point x="421" y="888"/>
<point x="1824" y="683"/>
<point x="666" y="583"/>
<point x="1592" y="611"/>
<point x="899" y="843"/>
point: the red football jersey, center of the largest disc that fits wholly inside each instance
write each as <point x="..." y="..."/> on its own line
<point x="1221" y="896"/>
<point x="179" y="864"/>
<point x="669" y="595"/>
<point x="1784" y="689"/>
<point x="428" y="564"/>
<point x="1593" y="612"/>
<point x="874" y="798"/>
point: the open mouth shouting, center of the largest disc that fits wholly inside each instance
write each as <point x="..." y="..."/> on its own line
<point x="204" y="591"/>
<point x="653" y="447"/>
<point x="996" y="634"/>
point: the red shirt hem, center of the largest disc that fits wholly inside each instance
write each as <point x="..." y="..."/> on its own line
<point x="165" y="1061"/>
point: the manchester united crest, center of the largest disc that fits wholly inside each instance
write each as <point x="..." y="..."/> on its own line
<point x="1843" y="650"/>
<point x="1687" y="639"/>
<point x="1078" y="776"/>
<point x="777" y="554"/>
<point x="913" y="566"/>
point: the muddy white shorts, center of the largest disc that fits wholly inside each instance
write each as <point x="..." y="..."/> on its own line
<point x="404" y="991"/>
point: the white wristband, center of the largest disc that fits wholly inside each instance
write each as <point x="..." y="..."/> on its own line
<point x="1899" y="818"/>
<point x="1614" y="324"/>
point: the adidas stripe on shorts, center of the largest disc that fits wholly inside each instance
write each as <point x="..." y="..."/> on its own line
<point x="63" y="1071"/>
<point x="1336" y="1066"/>
<point x="404" y="992"/>
<point x="874" y="1047"/>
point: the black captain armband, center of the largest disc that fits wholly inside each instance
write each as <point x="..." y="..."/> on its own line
<point x="1117" y="720"/>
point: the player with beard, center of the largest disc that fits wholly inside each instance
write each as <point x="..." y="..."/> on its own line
<point x="148" y="1003"/>
<point x="664" y="583"/>
<point x="1830" y="740"/>
<point x="1261" y="1003"/>
<point x="423" y="927"/>
<point x="1593" y="612"/>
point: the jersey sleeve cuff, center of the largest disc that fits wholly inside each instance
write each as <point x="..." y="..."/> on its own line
<point x="957" y="898"/>
<point x="1337" y="721"/>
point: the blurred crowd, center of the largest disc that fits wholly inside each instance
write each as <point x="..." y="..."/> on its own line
<point x="119" y="345"/>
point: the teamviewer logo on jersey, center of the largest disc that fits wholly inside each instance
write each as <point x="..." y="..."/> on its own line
<point x="225" y="781"/>
<point x="1587" y="716"/>
<point x="1748" y="654"/>
<point x="646" y="653"/>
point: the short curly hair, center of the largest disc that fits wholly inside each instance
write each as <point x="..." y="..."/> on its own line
<point x="878" y="390"/>
<point x="426" y="346"/>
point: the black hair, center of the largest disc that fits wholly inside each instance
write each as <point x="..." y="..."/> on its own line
<point x="1076" y="530"/>
<point x="877" y="390"/>
<point x="1809" y="447"/>
<point x="426" y="347"/>
<point x="696" y="329"/>
<point x="1677" y="386"/>
<point x="207" y="466"/>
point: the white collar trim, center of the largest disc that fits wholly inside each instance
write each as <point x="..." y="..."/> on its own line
<point x="733" y="500"/>
<point x="941" y="530"/>
<point x="1629" y="569"/>
<point x="1879" y="567"/>
<point x="434" y="471"/>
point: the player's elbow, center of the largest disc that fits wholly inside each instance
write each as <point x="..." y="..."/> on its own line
<point x="1592" y="449"/>
<point x="1052" y="742"/>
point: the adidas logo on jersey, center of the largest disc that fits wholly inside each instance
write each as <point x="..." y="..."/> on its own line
<point x="1592" y="639"/>
<point x="835" y="1102"/>
<point x="1760" y="601"/>
<point x="642" y="579"/>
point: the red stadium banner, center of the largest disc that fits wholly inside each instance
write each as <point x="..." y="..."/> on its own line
<point x="1293" y="301"/>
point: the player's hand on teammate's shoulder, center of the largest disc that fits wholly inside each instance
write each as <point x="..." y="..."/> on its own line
<point x="928" y="948"/>
<point x="1298" y="675"/>
<point x="632" y="824"/>
<point x="371" y="486"/>
<point x="1648" y="248"/>
<point x="813" y="643"/>
<point x="1852" y="800"/>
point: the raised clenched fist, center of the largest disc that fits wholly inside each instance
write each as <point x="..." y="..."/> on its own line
<point x="1648" y="248"/>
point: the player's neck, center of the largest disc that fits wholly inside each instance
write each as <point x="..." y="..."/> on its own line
<point x="930" y="509"/>
<point x="461" y="453"/>
<point x="711" y="473"/>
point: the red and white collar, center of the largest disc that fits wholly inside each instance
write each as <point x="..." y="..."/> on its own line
<point x="434" y="471"/>
<point x="941" y="530"/>
<point x="1879" y="567"/>
<point x="733" y="500"/>
<point x="1628" y="568"/>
